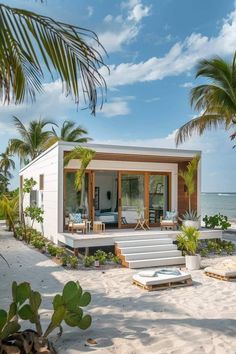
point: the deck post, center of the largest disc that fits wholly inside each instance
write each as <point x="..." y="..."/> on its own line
<point x="76" y="252"/>
<point x="86" y="251"/>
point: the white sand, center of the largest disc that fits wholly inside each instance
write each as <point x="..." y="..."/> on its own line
<point x="198" y="319"/>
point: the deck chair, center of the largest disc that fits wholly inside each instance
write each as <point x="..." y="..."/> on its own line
<point x="169" y="220"/>
<point x="76" y="223"/>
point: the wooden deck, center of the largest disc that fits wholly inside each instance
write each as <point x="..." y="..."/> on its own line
<point x="111" y="236"/>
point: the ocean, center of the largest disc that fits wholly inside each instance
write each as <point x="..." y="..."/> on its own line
<point x="224" y="203"/>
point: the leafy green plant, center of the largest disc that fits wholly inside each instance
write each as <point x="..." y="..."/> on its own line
<point x="100" y="256"/>
<point x="9" y="208"/>
<point x="116" y="259"/>
<point x="216" y="221"/>
<point x="67" y="307"/>
<point x="28" y="186"/>
<point x="191" y="215"/>
<point x="34" y="213"/>
<point x="64" y="260"/>
<point x="88" y="261"/>
<point x="188" y="240"/>
<point x="52" y="249"/>
<point x="60" y="252"/>
<point x="38" y="242"/>
<point x="204" y="252"/>
<point x="73" y="261"/>
<point x="188" y="176"/>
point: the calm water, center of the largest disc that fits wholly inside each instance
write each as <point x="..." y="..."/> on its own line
<point x="224" y="203"/>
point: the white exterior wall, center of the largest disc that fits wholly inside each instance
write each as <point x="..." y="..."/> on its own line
<point x="46" y="164"/>
<point x="137" y="166"/>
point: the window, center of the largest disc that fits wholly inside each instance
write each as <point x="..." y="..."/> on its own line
<point x="41" y="182"/>
<point x="33" y="198"/>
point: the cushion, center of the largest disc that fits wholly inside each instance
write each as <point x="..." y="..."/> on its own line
<point x="171" y="215"/>
<point x="161" y="278"/>
<point x="76" y="218"/>
<point x="168" y="222"/>
<point x="106" y="210"/>
<point x="226" y="268"/>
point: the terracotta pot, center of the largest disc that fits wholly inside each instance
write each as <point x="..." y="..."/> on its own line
<point x="193" y="262"/>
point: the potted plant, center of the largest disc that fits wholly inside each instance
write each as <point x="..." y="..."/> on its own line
<point x="190" y="217"/>
<point x="188" y="242"/>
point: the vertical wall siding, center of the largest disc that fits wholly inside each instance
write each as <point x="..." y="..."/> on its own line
<point x="48" y="166"/>
<point x="182" y="195"/>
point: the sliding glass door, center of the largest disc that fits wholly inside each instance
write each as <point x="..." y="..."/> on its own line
<point x="131" y="198"/>
<point x="158" y="197"/>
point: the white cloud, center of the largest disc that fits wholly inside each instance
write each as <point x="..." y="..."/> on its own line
<point x="117" y="107"/>
<point x="52" y="103"/>
<point x="186" y="85"/>
<point x="90" y="10"/>
<point x="123" y="28"/>
<point x="138" y="12"/>
<point x="181" y="58"/>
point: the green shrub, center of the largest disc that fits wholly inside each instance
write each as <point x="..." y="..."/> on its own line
<point x="73" y="262"/>
<point x="100" y="256"/>
<point x="52" y="249"/>
<point x="188" y="240"/>
<point x="204" y="252"/>
<point x="216" y="221"/>
<point x="38" y="242"/>
<point x="88" y="261"/>
<point x="60" y="252"/>
<point x="116" y="259"/>
<point x="64" y="260"/>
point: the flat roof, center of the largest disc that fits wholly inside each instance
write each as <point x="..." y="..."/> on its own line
<point x="119" y="149"/>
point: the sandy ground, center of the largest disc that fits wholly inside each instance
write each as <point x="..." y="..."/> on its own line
<point x="198" y="319"/>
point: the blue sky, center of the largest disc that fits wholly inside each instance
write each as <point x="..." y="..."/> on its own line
<point x="153" y="47"/>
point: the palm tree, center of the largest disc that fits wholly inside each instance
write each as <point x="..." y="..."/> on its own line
<point x="32" y="44"/>
<point x="33" y="138"/>
<point x="216" y="99"/>
<point x="9" y="207"/>
<point x="83" y="154"/>
<point x="69" y="132"/>
<point x="6" y="163"/>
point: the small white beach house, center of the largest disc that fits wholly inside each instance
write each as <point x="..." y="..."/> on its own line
<point x="118" y="180"/>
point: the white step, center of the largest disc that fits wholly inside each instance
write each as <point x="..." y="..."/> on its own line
<point x="151" y="255"/>
<point x="149" y="248"/>
<point x="158" y="262"/>
<point x="144" y="242"/>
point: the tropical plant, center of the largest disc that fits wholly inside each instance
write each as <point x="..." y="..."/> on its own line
<point x="9" y="207"/>
<point x="217" y="99"/>
<point x="188" y="240"/>
<point x="28" y="186"/>
<point x="188" y="176"/>
<point x="52" y="249"/>
<point x="35" y="214"/>
<point x="6" y="164"/>
<point x="25" y="306"/>
<point x="33" y="138"/>
<point x="190" y="215"/>
<point x="73" y="261"/>
<point x="32" y="45"/>
<point x="69" y="132"/>
<point x="83" y="154"/>
<point x="217" y="220"/>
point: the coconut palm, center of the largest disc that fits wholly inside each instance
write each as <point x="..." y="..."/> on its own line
<point x="83" y="154"/>
<point x="69" y="132"/>
<point x="6" y="163"/>
<point x="32" y="138"/>
<point x="32" y="45"/>
<point x="9" y="207"/>
<point x="217" y="99"/>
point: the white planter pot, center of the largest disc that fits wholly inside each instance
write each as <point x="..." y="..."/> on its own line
<point x="193" y="262"/>
<point x="191" y="223"/>
<point x="96" y="263"/>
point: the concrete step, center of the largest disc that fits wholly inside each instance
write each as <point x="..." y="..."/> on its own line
<point x="149" y="248"/>
<point x="143" y="242"/>
<point x="156" y="262"/>
<point x="151" y="255"/>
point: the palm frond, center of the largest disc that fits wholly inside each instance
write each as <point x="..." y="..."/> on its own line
<point x="62" y="47"/>
<point x="198" y="126"/>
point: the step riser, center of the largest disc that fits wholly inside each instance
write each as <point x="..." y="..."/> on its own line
<point x="143" y="242"/>
<point x="156" y="262"/>
<point x="152" y="255"/>
<point x="146" y="235"/>
<point x="143" y="249"/>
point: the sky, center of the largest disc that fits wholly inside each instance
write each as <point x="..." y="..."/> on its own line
<point x="152" y="50"/>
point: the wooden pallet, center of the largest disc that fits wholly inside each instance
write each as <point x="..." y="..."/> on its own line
<point x="186" y="282"/>
<point x="220" y="277"/>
